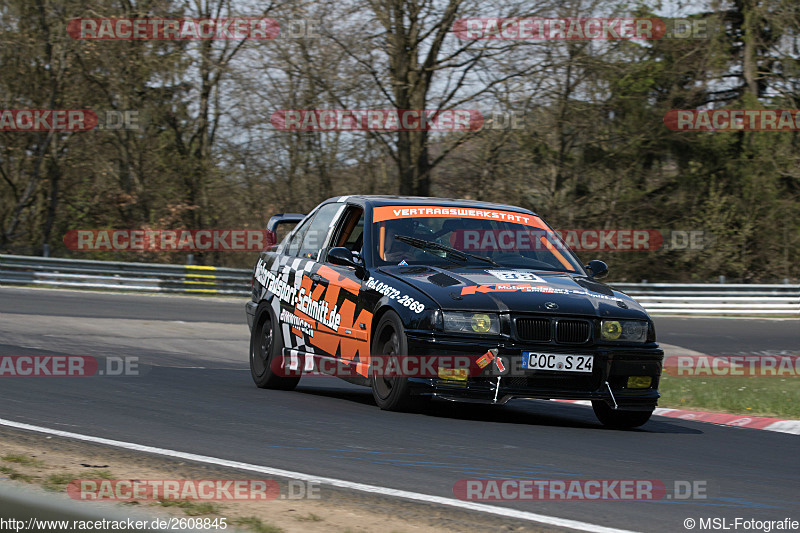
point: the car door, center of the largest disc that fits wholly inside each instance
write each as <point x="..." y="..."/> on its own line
<point x="349" y="344"/>
<point x="305" y="308"/>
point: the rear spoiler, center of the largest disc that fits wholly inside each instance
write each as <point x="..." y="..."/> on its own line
<point x="283" y="218"/>
<point x="278" y="219"/>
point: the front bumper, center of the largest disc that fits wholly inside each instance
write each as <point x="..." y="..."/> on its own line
<point x="607" y="381"/>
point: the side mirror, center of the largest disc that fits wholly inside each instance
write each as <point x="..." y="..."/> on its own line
<point x="343" y="257"/>
<point x="597" y="269"/>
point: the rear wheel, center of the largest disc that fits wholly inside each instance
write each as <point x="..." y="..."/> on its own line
<point x="391" y="393"/>
<point x="619" y="418"/>
<point x="265" y="355"/>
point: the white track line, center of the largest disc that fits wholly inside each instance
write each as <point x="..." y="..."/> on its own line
<point x="383" y="491"/>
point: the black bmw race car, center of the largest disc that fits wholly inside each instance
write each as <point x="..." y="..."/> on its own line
<point x="484" y="299"/>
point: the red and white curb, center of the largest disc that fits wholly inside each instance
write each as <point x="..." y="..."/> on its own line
<point x="780" y="425"/>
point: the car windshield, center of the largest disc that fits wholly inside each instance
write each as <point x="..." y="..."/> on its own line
<point x="436" y="235"/>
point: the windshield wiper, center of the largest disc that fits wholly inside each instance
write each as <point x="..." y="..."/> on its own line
<point x="429" y="245"/>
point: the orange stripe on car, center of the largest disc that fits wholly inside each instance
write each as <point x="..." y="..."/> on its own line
<point x="337" y="279"/>
<point x="556" y="253"/>
<point x="327" y="342"/>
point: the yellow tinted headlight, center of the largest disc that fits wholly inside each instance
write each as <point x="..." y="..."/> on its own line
<point x="481" y="323"/>
<point x="624" y="330"/>
<point x="611" y="329"/>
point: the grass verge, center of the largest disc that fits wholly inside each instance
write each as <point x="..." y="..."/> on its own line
<point x="255" y="524"/>
<point x="310" y="517"/>
<point x="21" y="460"/>
<point x="13" y="474"/>
<point x="747" y="395"/>
<point x="192" y="508"/>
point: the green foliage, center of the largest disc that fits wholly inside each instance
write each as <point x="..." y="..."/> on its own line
<point x="594" y="151"/>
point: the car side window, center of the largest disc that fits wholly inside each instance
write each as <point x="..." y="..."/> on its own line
<point x="314" y="237"/>
<point x="297" y="238"/>
<point x="350" y="230"/>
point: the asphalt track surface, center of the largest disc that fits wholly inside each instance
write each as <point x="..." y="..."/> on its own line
<point x="195" y="395"/>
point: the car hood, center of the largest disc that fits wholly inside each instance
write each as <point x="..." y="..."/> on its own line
<point x="500" y="289"/>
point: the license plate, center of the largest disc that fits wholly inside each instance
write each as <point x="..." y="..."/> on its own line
<point x="557" y="362"/>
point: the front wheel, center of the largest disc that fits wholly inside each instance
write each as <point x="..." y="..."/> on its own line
<point x="390" y="393"/>
<point x="265" y="355"/>
<point x="619" y="418"/>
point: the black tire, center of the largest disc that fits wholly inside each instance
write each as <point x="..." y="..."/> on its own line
<point x="619" y="418"/>
<point x="265" y="354"/>
<point x="391" y="393"/>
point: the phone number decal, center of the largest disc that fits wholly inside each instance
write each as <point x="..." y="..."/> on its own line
<point x="394" y="294"/>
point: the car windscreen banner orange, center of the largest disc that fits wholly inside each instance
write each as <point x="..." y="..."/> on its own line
<point x="393" y="212"/>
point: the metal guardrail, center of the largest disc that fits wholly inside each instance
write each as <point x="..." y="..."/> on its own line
<point x="715" y="298"/>
<point x="657" y="298"/>
<point x="140" y="277"/>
